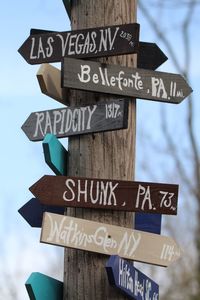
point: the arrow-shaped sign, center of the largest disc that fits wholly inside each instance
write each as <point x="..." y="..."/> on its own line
<point x="148" y="222"/>
<point x="67" y="4"/>
<point x="107" y="194"/>
<point x="42" y="287"/>
<point x="33" y="211"/>
<point x="55" y="154"/>
<point x="68" y="121"/>
<point x="92" y="42"/>
<point x="118" y="80"/>
<point x="108" y="239"/>
<point x="149" y="55"/>
<point x="129" y="280"/>
<point x="49" y="79"/>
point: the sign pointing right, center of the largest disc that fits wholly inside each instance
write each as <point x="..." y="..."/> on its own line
<point x="109" y="239"/>
<point x="118" y="80"/>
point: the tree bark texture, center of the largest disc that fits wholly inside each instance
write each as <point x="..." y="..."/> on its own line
<point x="109" y="155"/>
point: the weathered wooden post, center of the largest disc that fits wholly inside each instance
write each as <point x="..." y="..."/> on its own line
<point x="108" y="155"/>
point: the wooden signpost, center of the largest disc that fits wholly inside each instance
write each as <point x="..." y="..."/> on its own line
<point x="49" y="79"/>
<point x="130" y="281"/>
<point x="149" y="55"/>
<point x="118" y="80"/>
<point x="92" y="42"/>
<point x="64" y="122"/>
<point x="55" y="154"/>
<point x="107" y="194"/>
<point x="42" y="287"/>
<point x="33" y="211"/>
<point x="108" y="239"/>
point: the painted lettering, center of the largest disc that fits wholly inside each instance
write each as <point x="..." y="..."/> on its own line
<point x="143" y="197"/>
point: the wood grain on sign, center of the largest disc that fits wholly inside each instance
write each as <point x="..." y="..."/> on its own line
<point x="149" y="55"/>
<point x="129" y="280"/>
<point x="49" y="79"/>
<point x="33" y="211"/>
<point x="55" y="154"/>
<point x="109" y="239"/>
<point x="67" y="4"/>
<point x="91" y="42"/>
<point x="107" y="194"/>
<point x="64" y="122"/>
<point x="118" y="80"/>
<point x="43" y="287"/>
<point x="148" y="222"/>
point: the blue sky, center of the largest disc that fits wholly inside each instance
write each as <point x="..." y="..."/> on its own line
<point x="22" y="161"/>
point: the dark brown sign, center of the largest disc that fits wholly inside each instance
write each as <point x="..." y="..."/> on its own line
<point x="107" y="194"/>
<point x="92" y="42"/>
<point x="118" y="80"/>
<point x="149" y="55"/>
<point x="70" y="121"/>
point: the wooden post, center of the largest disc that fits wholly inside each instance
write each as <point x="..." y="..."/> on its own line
<point x="108" y="155"/>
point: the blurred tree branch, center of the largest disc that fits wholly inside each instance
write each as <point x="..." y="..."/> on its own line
<point x="183" y="66"/>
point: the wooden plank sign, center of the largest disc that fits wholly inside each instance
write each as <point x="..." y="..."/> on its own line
<point x="49" y="79"/>
<point x="118" y="80"/>
<point x="43" y="287"/>
<point x="55" y="154"/>
<point x="92" y="42"/>
<point x="68" y="121"/>
<point x="129" y="280"/>
<point x="148" y="222"/>
<point x="33" y="211"/>
<point x="108" y="239"/>
<point x="149" y="55"/>
<point x="107" y="194"/>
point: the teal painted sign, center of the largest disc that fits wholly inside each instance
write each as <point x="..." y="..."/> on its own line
<point x="42" y="287"/>
<point x="55" y="154"/>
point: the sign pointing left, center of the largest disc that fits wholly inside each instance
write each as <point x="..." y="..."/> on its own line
<point x="33" y="211"/>
<point x="129" y="280"/>
<point x="92" y="42"/>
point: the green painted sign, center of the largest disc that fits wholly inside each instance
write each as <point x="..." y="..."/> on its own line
<point x="55" y="154"/>
<point x="42" y="287"/>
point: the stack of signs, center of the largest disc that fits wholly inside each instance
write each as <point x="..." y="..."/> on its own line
<point x="54" y="193"/>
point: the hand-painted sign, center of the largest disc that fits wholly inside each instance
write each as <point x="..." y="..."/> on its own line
<point x="33" y="211"/>
<point x="55" y="154"/>
<point x="149" y="55"/>
<point x="118" y="80"/>
<point x="92" y="42"/>
<point x="148" y="222"/>
<point x="49" y="79"/>
<point x="70" y="121"/>
<point x="130" y="281"/>
<point x="107" y="194"/>
<point x="108" y="239"/>
<point x="42" y="287"/>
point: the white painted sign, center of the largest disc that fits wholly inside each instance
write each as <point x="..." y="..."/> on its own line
<point x="108" y="239"/>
